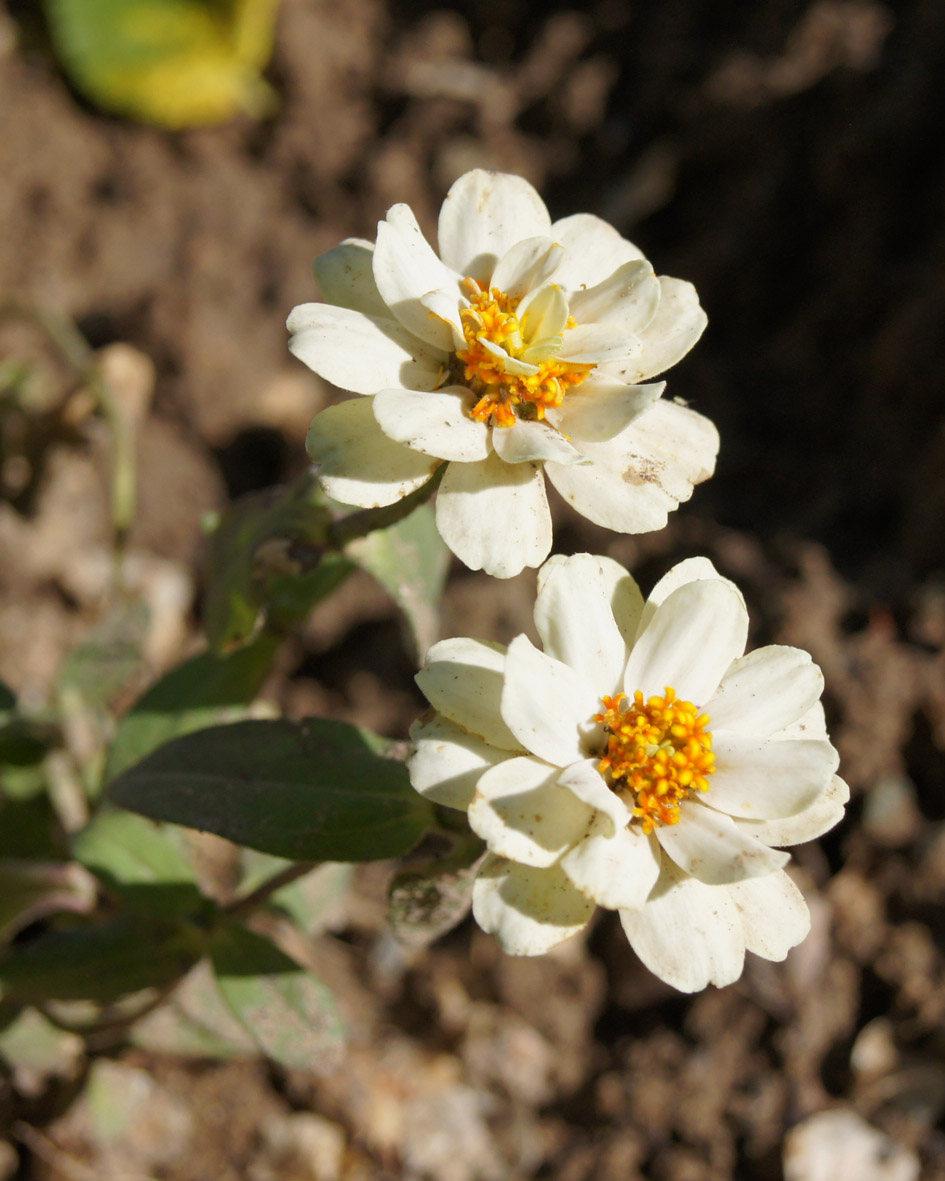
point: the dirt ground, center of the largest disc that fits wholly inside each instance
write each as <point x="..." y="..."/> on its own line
<point x="780" y="154"/>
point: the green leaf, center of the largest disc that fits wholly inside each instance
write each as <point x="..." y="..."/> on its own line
<point x="310" y="791"/>
<point x="195" y="1021"/>
<point x="31" y="889"/>
<point x="288" y="1012"/>
<point x="176" y="63"/>
<point x="410" y="560"/>
<point x="7" y="700"/>
<point x="270" y="560"/>
<point x="144" y="863"/>
<point x="101" y="961"/>
<point x="110" y="658"/>
<point x="24" y="742"/>
<point x="190" y="697"/>
<point x="29" y="828"/>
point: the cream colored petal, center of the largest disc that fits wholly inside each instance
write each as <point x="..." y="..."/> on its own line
<point x="521" y="812"/>
<point x="595" y="250"/>
<point x="601" y="408"/>
<point x="345" y="277"/>
<point x="689" y="934"/>
<point x="690" y="642"/>
<point x="543" y="314"/>
<point x="590" y="344"/>
<point x="765" y="691"/>
<point x="407" y="268"/>
<point x="813" y="724"/>
<point x="360" y="353"/>
<point x="764" y="780"/>
<point x="446" y="762"/>
<point x="446" y="305"/>
<point x="627" y="300"/>
<point x="527" y="265"/>
<point x="529" y="910"/>
<point x="599" y="494"/>
<point x="547" y="705"/>
<point x="688" y="570"/>
<point x="512" y="366"/>
<point x="358" y="463"/>
<point x="677" y="325"/>
<point x="578" y="599"/>
<point x="462" y="680"/>
<point x="527" y="442"/>
<point x="494" y="516"/>
<point x="615" y="869"/>
<point x="711" y="847"/>
<point x="484" y="215"/>
<point x="586" y="782"/>
<point x="436" y="423"/>
<point x="826" y="811"/>
<point x="774" y="914"/>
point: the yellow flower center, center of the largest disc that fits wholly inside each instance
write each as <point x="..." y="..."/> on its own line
<point x="519" y="375"/>
<point x="658" y="753"/>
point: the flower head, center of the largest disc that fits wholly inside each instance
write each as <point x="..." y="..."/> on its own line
<point x="641" y="762"/>
<point x="520" y="351"/>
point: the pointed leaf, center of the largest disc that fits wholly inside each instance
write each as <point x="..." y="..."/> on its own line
<point x="310" y="791"/>
<point x="288" y="1012"/>
<point x="190" y="697"/>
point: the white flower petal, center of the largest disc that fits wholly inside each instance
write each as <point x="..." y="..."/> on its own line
<point x="602" y="407"/>
<point x="688" y="934"/>
<point x="615" y="869"/>
<point x="774" y="914"/>
<point x="688" y="570"/>
<point x="692" y="638"/>
<point x="595" y="250"/>
<point x="521" y="813"/>
<point x="405" y="268"/>
<point x="435" y="423"/>
<point x="589" y="344"/>
<point x="578" y="599"/>
<point x="494" y="515"/>
<point x="482" y="218"/>
<point x="446" y="761"/>
<point x="677" y="325"/>
<point x="813" y="724"/>
<point x="345" y="277"/>
<point x="360" y="353"/>
<point x="529" y="910"/>
<point x="642" y="473"/>
<point x="513" y="366"/>
<point x="525" y="442"/>
<point x="543" y="314"/>
<point x="820" y="817"/>
<point x="527" y="265"/>
<point x="546" y="704"/>
<point x="358" y="463"/>
<point x="462" y="680"/>
<point x="626" y="300"/>
<point x="586" y="782"/>
<point x="713" y="849"/>
<point x="446" y="304"/>
<point x="765" y="691"/>
<point x="768" y="780"/>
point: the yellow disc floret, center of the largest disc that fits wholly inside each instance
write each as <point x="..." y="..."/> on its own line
<point x="658" y="751"/>
<point x="511" y="363"/>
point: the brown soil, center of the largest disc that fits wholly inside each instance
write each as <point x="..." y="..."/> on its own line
<point x="779" y="154"/>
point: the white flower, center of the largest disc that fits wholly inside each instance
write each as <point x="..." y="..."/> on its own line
<point x="640" y="762"/>
<point x="521" y="350"/>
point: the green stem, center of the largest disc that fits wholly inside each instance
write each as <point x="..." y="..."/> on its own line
<point x="262" y="893"/>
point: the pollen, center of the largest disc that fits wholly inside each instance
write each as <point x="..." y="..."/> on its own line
<point x="658" y="753"/>
<point x="519" y="376"/>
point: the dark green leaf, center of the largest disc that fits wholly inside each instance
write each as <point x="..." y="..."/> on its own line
<point x="29" y="829"/>
<point x="26" y="741"/>
<point x="310" y="791"/>
<point x="288" y="1012"/>
<point x="100" y="962"/>
<point x="410" y="561"/>
<point x="111" y="658"/>
<point x="190" y="697"/>
<point x="7" y="699"/>
<point x="141" y="861"/>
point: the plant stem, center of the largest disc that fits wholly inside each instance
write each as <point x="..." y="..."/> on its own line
<point x="249" y="902"/>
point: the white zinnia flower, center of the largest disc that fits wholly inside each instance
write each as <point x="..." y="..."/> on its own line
<point x="641" y="763"/>
<point x="521" y="349"/>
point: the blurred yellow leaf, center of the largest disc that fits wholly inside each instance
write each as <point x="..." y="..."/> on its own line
<point x="176" y="63"/>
